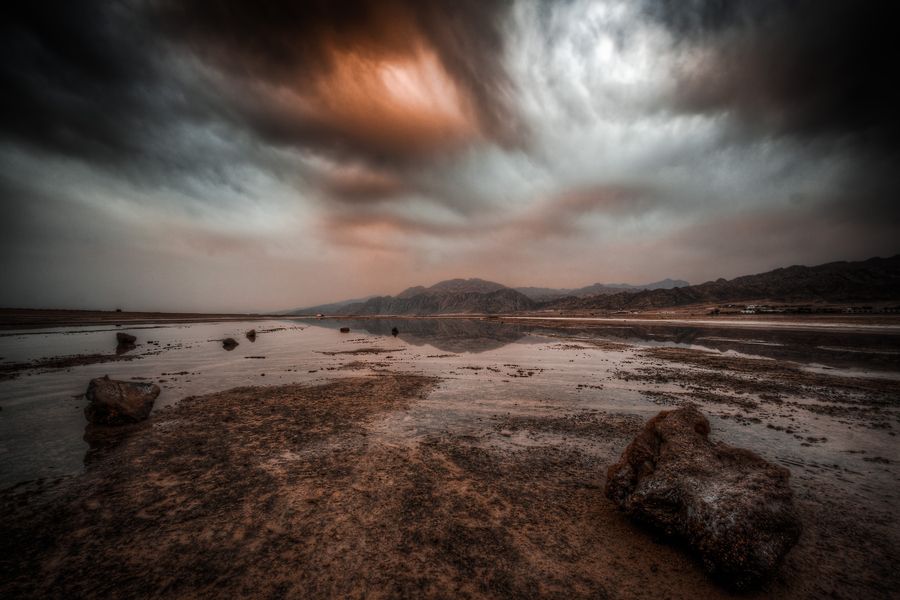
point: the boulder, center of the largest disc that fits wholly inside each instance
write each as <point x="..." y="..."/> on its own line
<point x="345" y="330"/>
<point x="732" y="507"/>
<point x="229" y="344"/>
<point x="113" y="402"/>
<point x="395" y="332"/>
<point x="125" y="339"/>
<point x="251" y="335"/>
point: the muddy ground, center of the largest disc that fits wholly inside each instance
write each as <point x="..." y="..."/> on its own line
<point x="297" y="491"/>
<point x="13" y="370"/>
<point x="763" y="387"/>
<point x="29" y="318"/>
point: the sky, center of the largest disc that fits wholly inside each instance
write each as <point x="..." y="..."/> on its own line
<point x="214" y="155"/>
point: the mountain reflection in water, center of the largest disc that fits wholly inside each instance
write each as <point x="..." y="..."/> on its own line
<point x="839" y="349"/>
<point x="449" y="335"/>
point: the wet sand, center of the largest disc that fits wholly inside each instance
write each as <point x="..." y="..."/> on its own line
<point x="14" y="369"/>
<point x="853" y="323"/>
<point x="442" y="473"/>
<point x="293" y="491"/>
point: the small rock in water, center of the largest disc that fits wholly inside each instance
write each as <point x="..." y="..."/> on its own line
<point x="125" y="339"/>
<point x="345" y="330"/>
<point x="118" y="402"/>
<point x="251" y="335"/>
<point x="395" y="332"/>
<point x="229" y="344"/>
<point x="734" y="508"/>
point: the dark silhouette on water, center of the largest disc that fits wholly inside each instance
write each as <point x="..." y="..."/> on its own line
<point x="448" y="335"/>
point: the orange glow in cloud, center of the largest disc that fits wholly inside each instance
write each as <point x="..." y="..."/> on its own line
<point x="401" y="103"/>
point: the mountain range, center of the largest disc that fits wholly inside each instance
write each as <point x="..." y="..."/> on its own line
<point x="325" y="309"/>
<point x="873" y="280"/>
<point x="542" y="293"/>
<point x="440" y="302"/>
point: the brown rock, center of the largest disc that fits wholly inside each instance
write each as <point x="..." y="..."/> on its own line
<point x="345" y="330"/>
<point x="731" y="506"/>
<point x="251" y="335"/>
<point x="125" y="339"/>
<point x="229" y="344"/>
<point x="113" y="402"/>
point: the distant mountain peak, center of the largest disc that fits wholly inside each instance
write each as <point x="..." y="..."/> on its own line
<point x="458" y="285"/>
<point x="412" y="291"/>
<point x="462" y="297"/>
<point x="473" y="284"/>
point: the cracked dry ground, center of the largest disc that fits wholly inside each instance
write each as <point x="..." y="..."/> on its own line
<point x="288" y="492"/>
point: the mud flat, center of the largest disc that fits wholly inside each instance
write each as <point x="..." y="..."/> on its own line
<point x="458" y="459"/>
<point x="304" y="491"/>
<point x="15" y="318"/>
<point x="13" y="370"/>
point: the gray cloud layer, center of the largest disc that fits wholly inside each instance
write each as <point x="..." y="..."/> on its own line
<point x="231" y="155"/>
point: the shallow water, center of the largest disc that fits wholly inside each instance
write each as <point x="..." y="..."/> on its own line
<point x="489" y="370"/>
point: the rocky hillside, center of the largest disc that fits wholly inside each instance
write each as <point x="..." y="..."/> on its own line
<point x="327" y="309"/>
<point x="543" y="294"/>
<point x="437" y="302"/>
<point x="873" y="280"/>
<point x="452" y="296"/>
<point x="454" y="286"/>
<point x="465" y="296"/>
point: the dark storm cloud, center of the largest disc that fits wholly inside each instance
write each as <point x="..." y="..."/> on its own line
<point x="564" y="214"/>
<point x="573" y="141"/>
<point x="808" y="68"/>
<point x="310" y="49"/>
<point x="94" y="81"/>
<point x="77" y="78"/>
<point x="163" y="92"/>
<point x="820" y="72"/>
<point x="355" y="185"/>
<point x="560" y="216"/>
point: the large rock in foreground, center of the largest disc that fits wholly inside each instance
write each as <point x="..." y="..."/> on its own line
<point x="732" y="507"/>
<point x="113" y="402"/>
